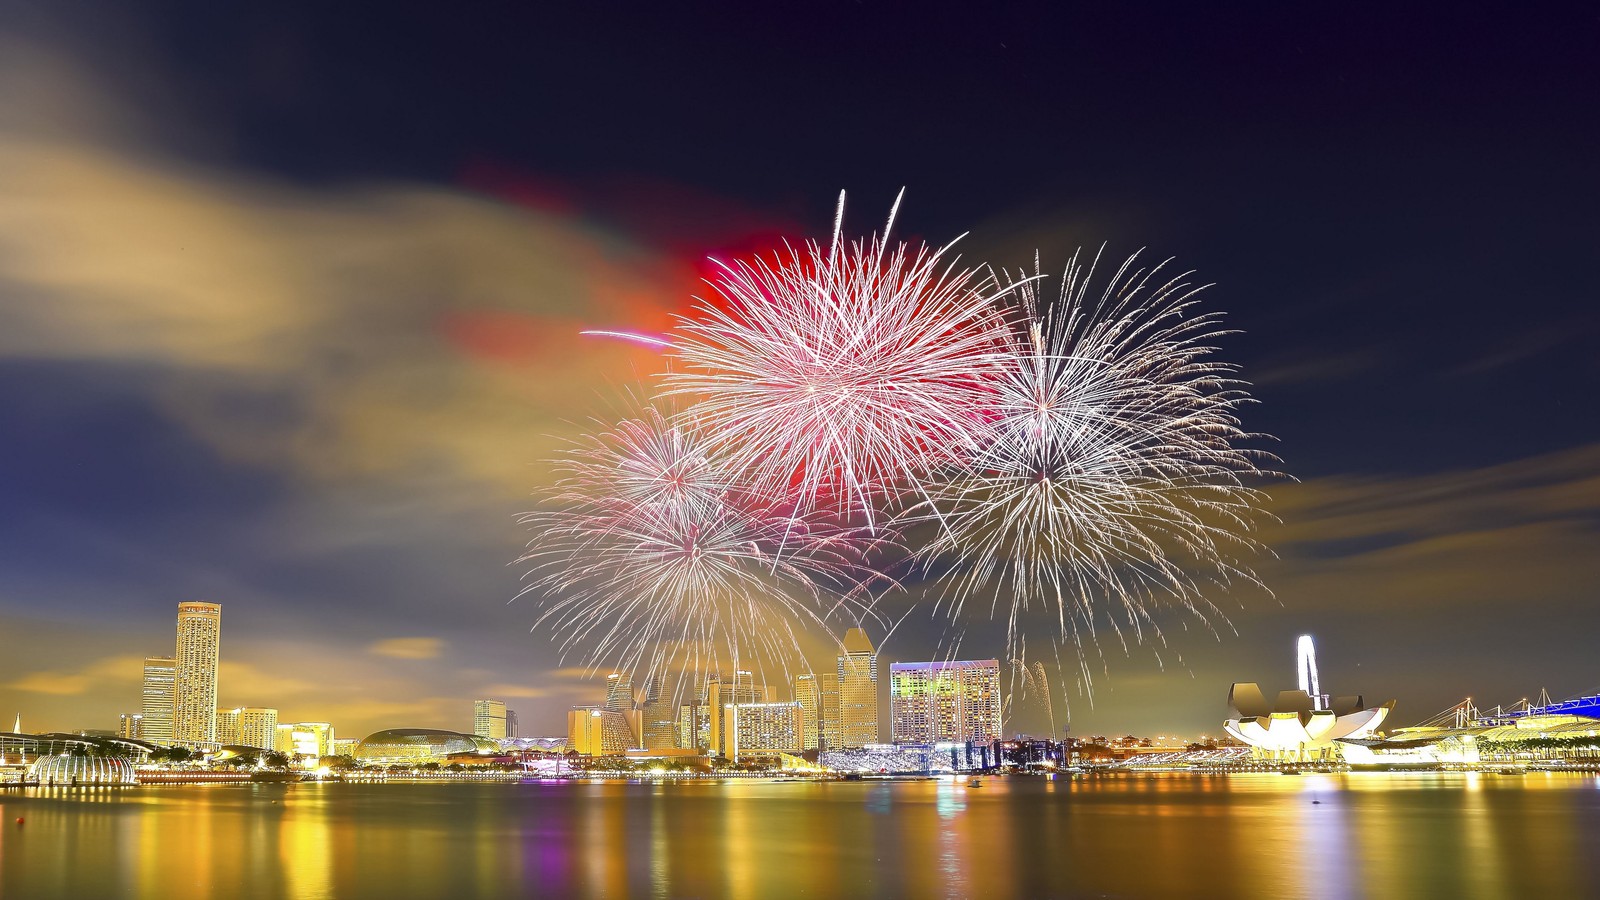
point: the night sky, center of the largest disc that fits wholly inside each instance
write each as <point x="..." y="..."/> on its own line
<point x="289" y="302"/>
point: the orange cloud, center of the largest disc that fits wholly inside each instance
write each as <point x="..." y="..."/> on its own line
<point x="407" y="648"/>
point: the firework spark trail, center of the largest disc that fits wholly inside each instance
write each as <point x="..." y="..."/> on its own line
<point x="648" y="559"/>
<point x="843" y="374"/>
<point x="1109" y="471"/>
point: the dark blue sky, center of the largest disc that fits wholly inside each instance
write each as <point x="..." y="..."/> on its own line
<point x="287" y="296"/>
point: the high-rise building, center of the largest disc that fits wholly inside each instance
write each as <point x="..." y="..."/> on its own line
<point x="258" y="726"/>
<point x="489" y="719"/>
<point x="511" y="723"/>
<point x="660" y="728"/>
<point x="156" y="703"/>
<point x="809" y="696"/>
<point x="954" y="700"/>
<point x="692" y="725"/>
<point x="721" y="693"/>
<point x="227" y="726"/>
<point x="763" y="728"/>
<point x="597" y="731"/>
<point x="619" y="692"/>
<point x="858" y="691"/>
<point x="194" y="707"/>
<point x="131" y="726"/>
<point x="830" y="728"/>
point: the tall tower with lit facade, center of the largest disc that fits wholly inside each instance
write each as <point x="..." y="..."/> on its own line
<point x="858" y="691"/>
<point x="660" y="722"/>
<point x="155" y="708"/>
<point x="194" y="706"/>
<point x="489" y="719"/>
<point x="808" y="694"/>
<point x="619" y="692"/>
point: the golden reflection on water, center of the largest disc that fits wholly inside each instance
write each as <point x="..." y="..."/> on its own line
<point x="1382" y="836"/>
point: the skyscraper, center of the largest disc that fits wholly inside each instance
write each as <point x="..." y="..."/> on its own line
<point x="156" y="704"/>
<point x="511" y="723"/>
<point x="131" y="726"/>
<point x="228" y="726"/>
<point x="858" y="691"/>
<point x="809" y="695"/>
<point x="194" y="707"/>
<point x="489" y="719"/>
<point x="619" y="692"/>
<point x="660" y="727"/>
<point x="258" y="727"/>
<point x="830" y="726"/>
<point x="721" y="694"/>
<point x="955" y="700"/>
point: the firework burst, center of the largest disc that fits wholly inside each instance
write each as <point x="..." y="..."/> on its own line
<point x="841" y="374"/>
<point x="1109" y="481"/>
<point x="648" y="559"/>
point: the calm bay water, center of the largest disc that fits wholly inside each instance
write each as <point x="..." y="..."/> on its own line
<point x="1367" y="835"/>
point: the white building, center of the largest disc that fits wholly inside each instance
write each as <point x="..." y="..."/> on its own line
<point x="194" y="708"/>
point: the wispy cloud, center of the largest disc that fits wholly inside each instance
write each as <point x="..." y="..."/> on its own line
<point x="407" y="648"/>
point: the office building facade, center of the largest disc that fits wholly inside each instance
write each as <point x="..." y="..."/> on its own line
<point x="954" y="700"/>
<point x="756" y="728"/>
<point x="489" y="719"/>
<point x="194" y="706"/>
<point x="155" y="709"/>
<point x="858" y="691"/>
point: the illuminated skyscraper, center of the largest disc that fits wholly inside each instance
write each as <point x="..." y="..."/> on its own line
<point x="619" y="692"/>
<point x="227" y="726"/>
<point x="721" y="694"/>
<point x="957" y="700"/>
<point x="489" y="719"/>
<point x="194" y="707"/>
<point x="809" y="696"/>
<point x="258" y="726"/>
<point x="830" y="727"/>
<point x="818" y="696"/>
<point x="660" y="727"/>
<point x="156" y="705"/>
<point x="858" y="691"/>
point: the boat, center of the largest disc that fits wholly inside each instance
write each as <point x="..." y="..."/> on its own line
<point x="974" y="782"/>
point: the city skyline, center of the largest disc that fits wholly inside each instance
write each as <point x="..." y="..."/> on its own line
<point x="859" y="450"/>
<point x="240" y="422"/>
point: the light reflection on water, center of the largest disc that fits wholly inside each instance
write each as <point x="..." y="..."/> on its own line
<point x="1383" y="836"/>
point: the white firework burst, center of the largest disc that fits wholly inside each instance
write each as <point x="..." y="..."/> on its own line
<point x="1111" y="479"/>
<point x="648" y="559"/>
<point x="841" y="374"/>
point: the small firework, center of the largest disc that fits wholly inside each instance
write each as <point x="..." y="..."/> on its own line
<point x="648" y="559"/>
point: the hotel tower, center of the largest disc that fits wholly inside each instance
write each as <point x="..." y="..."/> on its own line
<point x="858" y="691"/>
<point x="155" y="722"/>
<point x="194" y="706"/>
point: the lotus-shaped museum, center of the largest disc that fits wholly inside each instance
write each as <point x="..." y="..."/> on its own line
<point x="1302" y="725"/>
